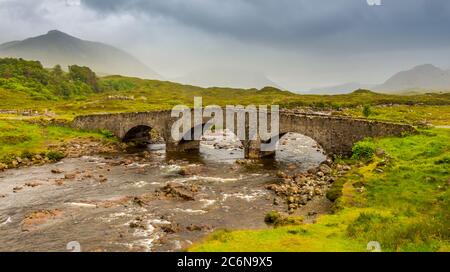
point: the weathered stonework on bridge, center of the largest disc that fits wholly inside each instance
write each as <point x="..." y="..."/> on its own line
<point x="336" y="135"/>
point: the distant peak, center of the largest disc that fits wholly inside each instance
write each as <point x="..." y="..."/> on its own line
<point x="55" y="31"/>
<point x="426" y="67"/>
<point x="57" y="35"/>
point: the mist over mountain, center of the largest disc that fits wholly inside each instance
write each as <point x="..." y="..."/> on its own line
<point x="423" y="77"/>
<point x="340" y="89"/>
<point x="227" y="77"/>
<point x="57" y="47"/>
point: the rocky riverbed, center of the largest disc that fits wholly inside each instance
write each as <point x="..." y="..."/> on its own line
<point x="147" y="200"/>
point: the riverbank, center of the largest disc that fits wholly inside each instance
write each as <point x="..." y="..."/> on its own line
<point x="26" y="143"/>
<point x="397" y="193"/>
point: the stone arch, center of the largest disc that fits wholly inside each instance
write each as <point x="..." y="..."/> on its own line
<point x="139" y="133"/>
<point x="190" y="145"/>
<point x="305" y="139"/>
<point x="142" y="134"/>
<point x="275" y="142"/>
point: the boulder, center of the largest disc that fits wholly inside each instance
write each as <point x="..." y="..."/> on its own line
<point x="57" y="171"/>
<point x="325" y="169"/>
<point x="178" y="191"/>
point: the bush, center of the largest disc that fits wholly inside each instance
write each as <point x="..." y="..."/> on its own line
<point x="27" y="155"/>
<point x="14" y="139"/>
<point x="367" y="111"/>
<point x="46" y="84"/>
<point x="106" y="133"/>
<point x="363" y="150"/>
<point x="445" y="160"/>
<point x="7" y="159"/>
<point x="335" y="191"/>
<point x="55" y="155"/>
<point x="85" y="75"/>
<point x="272" y="217"/>
<point x="276" y="219"/>
<point x="221" y="235"/>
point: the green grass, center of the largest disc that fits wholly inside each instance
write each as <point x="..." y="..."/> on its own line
<point x="411" y="114"/>
<point x="405" y="207"/>
<point x="21" y="138"/>
<point x="156" y="95"/>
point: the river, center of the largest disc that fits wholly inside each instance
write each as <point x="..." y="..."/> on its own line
<point x="108" y="202"/>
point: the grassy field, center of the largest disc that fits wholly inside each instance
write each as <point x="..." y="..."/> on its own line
<point x="23" y="139"/>
<point x="122" y="94"/>
<point x="412" y="114"/>
<point x="405" y="206"/>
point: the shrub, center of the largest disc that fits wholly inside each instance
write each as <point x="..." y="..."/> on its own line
<point x="46" y="84"/>
<point x="367" y="111"/>
<point x="55" y="155"/>
<point x="276" y="219"/>
<point x="106" y="133"/>
<point x="85" y="75"/>
<point x="221" y="235"/>
<point x="7" y="159"/>
<point x="335" y="191"/>
<point x="27" y="155"/>
<point x="14" y="139"/>
<point x="445" y="160"/>
<point x="272" y="217"/>
<point x="363" y="150"/>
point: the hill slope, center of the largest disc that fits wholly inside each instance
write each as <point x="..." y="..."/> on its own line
<point x="224" y="77"/>
<point x="422" y="77"/>
<point x="57" y="47"/>
<point x="340" y="89"/>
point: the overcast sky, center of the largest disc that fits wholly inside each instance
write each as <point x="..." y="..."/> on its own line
<point x="296" y="43"/>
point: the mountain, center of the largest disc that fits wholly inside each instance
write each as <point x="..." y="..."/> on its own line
<point x="227" y="77"/>
<point x="423" y="77"/>
<point x="340" y="89"/>
<point x="57" y="47"/>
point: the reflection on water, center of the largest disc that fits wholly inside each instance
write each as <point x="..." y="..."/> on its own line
<point x="89" y="209"/>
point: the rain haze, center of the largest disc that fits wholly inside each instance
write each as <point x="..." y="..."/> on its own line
<point x="294" y="44"/>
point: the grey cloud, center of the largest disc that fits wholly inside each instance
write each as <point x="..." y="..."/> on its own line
<point x="296" y="43"/>
<point x="325" y="24"/>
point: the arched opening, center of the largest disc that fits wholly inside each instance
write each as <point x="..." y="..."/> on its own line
<point x="221" y="145"/>
<point x="295" y="149"/>
<point x="214" y="144"/>
<point x="142" y="135"/>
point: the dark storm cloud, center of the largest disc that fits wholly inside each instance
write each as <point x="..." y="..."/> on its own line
<point x="326" y="24"/>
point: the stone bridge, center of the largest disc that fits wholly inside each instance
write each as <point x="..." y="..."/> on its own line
<point x="336" y="135"/>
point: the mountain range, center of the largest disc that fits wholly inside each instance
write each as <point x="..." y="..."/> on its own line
<point x="422" y="78"/>
<point x="57" y="47"/>
<point x="425" y="77"/>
